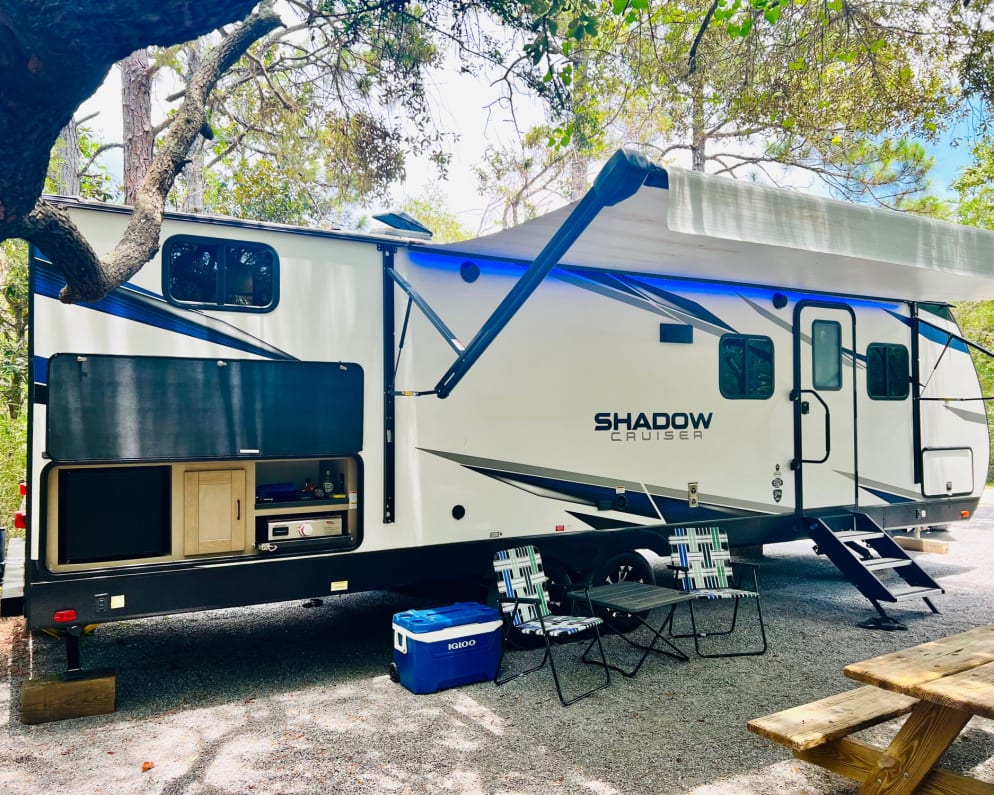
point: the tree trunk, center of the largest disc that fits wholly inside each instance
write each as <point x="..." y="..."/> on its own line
<point x="52" y="230"/>
<point x="193" y="173"/>
<point x="136" y="108"/>
<point x="578" y="183"/>
<point x="698" y="132"/>
<point x="69" y="180"/>
<point x="580" y="158"/>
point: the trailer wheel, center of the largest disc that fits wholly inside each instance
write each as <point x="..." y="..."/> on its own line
<point x="630" y="566"/>
<point x="558" y="580"/>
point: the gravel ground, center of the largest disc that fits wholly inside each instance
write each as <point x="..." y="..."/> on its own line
<point x="288" y="699"/>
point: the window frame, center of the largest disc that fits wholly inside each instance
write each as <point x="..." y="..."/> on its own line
<point x="889" y="346"/>
<point x="223" y="246"/>
<point x="746" y="339"/>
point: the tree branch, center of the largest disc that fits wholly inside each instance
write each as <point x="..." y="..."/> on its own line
<point x="90" y="279"/>
<point x="692" y="57"/>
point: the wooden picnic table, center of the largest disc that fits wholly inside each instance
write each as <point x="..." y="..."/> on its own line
<point x="942" y="684"/>
<point x="953" y="680"/>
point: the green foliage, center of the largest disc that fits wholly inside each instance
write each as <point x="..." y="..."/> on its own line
<point x="976" y="321"/>
<point x="433" y="212"/>
<point x="13" y="374"/>
<point x="323" y="115"/>
<point x="519" y="181"/>
<point x="96" y="181"/>
<point x="839" y="91"/>
<point x="13" y="454"/>
<point x="975" y="186"/>
<point x="13" y="326"/>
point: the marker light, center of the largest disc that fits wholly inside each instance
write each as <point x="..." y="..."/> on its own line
<point x="63" y="616"/>
<point x="23" y="487"/>
<point x="964" y="514"/>
<point x="20" y="520"/>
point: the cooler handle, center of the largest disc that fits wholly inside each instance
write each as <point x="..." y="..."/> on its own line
<point x="400" y="642"/>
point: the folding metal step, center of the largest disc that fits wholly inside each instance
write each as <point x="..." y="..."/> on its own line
<point x="874" y="564"/>
<point x="916" y="592"/>
<point x="872" y="561"/>
<point x="858" y="535"/>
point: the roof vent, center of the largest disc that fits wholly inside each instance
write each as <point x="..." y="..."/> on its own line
<point x="401" y="223"/>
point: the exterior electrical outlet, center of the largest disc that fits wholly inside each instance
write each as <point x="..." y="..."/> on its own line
<point x="693" y="501"/>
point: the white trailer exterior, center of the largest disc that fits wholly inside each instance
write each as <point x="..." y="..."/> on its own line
<point x="674" y="349"/>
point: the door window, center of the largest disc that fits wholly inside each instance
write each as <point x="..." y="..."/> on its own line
<point x="826" y="354"/>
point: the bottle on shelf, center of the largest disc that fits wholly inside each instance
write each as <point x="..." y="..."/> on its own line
<point x="340" y="491"/>
<point x="328" y="485"/>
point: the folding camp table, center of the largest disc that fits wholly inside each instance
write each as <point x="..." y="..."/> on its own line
<point x="635" y="598"/>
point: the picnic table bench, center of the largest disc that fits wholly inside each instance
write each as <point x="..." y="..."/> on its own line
<point x="942" y="684"/>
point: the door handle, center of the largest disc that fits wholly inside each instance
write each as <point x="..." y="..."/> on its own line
<point x="238" y="510"/>
<point x="805" y="408"/>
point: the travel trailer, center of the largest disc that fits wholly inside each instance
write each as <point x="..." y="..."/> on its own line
<point x="269" y="413"/>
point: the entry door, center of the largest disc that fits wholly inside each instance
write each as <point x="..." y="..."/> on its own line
<point x="824" y="397"/>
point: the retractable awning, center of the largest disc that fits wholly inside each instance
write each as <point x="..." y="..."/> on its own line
<point x="687" y="224"/>
<point x="641" y="217"/>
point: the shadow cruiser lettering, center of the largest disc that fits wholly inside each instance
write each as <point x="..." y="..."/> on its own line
<point x="653" y="426"/>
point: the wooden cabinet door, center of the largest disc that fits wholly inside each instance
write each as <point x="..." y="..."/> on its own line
<point x="214" y="511"/>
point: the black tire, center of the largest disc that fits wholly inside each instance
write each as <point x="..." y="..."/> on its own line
<point x="558" y="581"/>
<point x="394" y="673"/>
<point x="630" y="566"/>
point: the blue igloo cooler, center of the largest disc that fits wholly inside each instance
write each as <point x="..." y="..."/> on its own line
<point x="446" y="646"/>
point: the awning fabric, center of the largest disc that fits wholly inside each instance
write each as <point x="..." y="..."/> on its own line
<point x="717" y="228"/>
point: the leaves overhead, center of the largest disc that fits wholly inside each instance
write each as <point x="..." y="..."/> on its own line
<point x="835" y="88"/>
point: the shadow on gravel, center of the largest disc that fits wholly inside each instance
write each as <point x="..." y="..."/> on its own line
<point x="285" y="698"/>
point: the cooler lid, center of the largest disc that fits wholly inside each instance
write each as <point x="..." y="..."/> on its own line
<point x="435" y="618"/>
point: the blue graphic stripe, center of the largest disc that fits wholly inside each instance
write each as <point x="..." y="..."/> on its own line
<point x="635" y="504"/>
<point x="886" y="496"/>
<point x="40" y="369"/>
<point x="933" y="334"/>
<point x="141" y="306"/>
<point x="675" y="509"/>
<point x="641" y="291"/>
<point x="692" y="308"/>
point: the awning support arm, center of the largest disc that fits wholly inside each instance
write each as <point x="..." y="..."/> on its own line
<point x="969" y="344"/>
<point x="429" y="313"/>
<point x="620" y="178"/>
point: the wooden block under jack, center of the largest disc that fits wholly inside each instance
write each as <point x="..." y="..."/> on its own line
<point x="74" y="694"/>
<point x="922" y="544"/>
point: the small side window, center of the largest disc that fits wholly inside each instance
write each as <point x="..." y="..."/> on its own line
<point x="220" y="274"/>
<point x="745" y="367"/>
<point x="826" y="355"/>
<point x="888" y="375"/>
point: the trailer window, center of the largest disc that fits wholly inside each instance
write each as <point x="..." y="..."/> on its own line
<point x="888" y="375"/>
<point x="745" y="367"/>
<point x="826" y="354"/>
<point x="219" y="274"/>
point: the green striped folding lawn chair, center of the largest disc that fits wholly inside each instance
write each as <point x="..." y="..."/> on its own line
<point x="701" y="564"/>
<point x="524" y="601"/>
